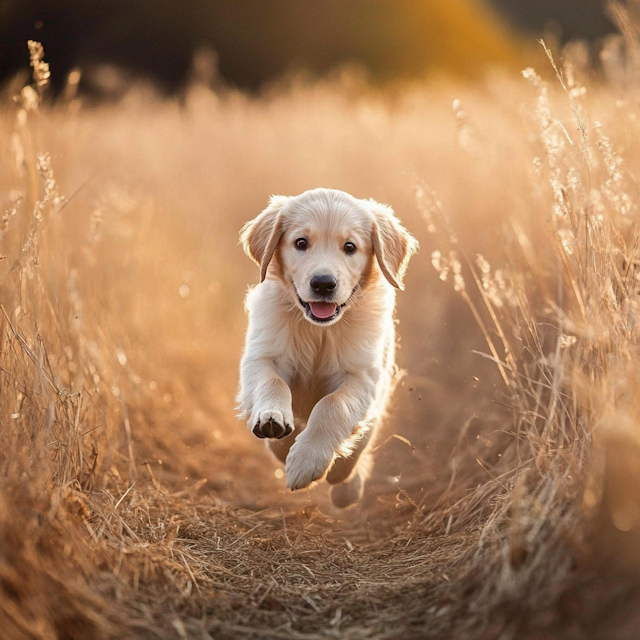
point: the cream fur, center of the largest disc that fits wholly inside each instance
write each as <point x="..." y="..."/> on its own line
<point x="330" y="382"/>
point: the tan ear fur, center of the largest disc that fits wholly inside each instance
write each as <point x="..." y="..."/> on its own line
<point x="260" y="236"/>
<point x="393" y="245"/>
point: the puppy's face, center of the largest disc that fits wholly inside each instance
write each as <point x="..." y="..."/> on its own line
<point x="324" y="244"/>
<point x="324" y="253"/>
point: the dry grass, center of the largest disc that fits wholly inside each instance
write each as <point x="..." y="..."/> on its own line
<point x="133" y="505"/>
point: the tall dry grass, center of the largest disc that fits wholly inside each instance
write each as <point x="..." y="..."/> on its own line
<point x="133" y="505"/>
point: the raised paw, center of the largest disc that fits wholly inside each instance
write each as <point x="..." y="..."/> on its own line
<point x="307" y="463"/>
<point x="272" y="424"/>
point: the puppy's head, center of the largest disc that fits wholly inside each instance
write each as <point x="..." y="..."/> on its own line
<point x="325" y="245"/>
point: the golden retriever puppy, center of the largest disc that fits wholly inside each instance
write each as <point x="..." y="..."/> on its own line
<point x="318" y="367"/>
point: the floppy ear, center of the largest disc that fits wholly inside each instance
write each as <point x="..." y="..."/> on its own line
<point x="393" y="245"/>
<point x="260" y="236"/>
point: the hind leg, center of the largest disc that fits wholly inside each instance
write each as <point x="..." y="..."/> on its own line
<point x="348" y="475"/>
<point x="343" y="467"/>
<point x="350" y="491"/>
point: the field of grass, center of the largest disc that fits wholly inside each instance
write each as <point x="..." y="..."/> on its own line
<point x="505" y="499"/>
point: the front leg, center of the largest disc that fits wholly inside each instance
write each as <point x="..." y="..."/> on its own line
<point x="265" y="399"/>
<point x="330" y="425"/>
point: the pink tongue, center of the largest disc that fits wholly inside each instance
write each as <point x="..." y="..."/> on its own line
<point x="322" y="309"/>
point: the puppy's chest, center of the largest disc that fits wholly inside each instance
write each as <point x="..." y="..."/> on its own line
<point x="314" y="371"/>
<point x="314" y="358"/>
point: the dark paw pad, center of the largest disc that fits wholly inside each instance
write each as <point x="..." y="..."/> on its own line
<point x="271" y="429"/>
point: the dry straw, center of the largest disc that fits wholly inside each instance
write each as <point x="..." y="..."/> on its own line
<point x="95" y="543"/>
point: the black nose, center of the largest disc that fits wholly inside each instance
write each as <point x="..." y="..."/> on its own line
<point x="323" y="284"/>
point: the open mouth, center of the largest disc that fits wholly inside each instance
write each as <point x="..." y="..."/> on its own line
<point x="321" y="311"/>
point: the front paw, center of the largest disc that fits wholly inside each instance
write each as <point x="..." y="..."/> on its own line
<point x="271" y="424"/>
<point x="307" y="462"/>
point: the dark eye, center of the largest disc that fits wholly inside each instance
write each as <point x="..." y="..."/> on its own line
<point x="349" y="247"/>
<point x="301" y="244"/>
